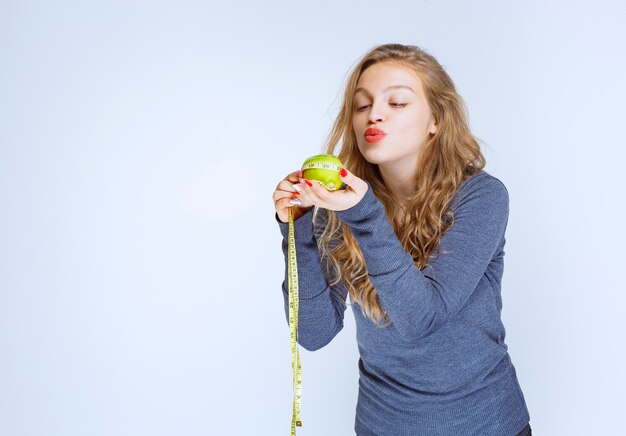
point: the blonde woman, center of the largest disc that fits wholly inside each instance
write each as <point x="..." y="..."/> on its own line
<point x="416" y="239"/>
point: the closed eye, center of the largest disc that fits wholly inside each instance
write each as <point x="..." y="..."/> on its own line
<point x="362" y="108"/>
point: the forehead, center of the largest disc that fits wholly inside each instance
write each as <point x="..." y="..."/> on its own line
<point x="388" y="76"/>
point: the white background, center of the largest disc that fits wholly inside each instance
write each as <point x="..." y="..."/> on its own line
<point x="140" y="263"/>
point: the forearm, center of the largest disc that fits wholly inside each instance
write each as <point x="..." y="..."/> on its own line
<point x="420" y="302"/>
<point x="410" y="299"/>
<point x="321" y="309"/>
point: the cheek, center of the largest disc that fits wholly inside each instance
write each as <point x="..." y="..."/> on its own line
<point x="357" y="136"/>
<point x="358" y="126"/>
<point x="417" y="123"/>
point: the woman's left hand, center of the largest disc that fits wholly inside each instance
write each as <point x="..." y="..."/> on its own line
<point x="334" y="200"/>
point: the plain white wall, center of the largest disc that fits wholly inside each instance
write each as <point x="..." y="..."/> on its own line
<point x="140" y="263"/>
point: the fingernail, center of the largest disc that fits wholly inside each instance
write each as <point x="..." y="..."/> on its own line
<point x="343" y="172"/>
<point x="297" y="188"/>
<point x="308" y="183"/>
<point x="299" y="173"/>
<point x="298" y="202"/>
<point x="302" y="182"/>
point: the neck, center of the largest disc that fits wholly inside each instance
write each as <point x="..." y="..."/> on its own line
<point x="399" y="177"/>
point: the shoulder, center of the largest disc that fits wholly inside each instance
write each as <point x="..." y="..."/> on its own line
<point x="481" y="188"/>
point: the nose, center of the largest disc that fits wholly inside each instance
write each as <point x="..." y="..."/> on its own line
<point x="376" y="114"/>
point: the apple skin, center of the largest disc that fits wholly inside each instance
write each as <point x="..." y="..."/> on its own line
<point x="324" y="169"/>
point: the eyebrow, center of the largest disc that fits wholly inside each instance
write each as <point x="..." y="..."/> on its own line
<point x="386" y="89"/>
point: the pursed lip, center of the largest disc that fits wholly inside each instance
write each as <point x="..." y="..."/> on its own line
<point x="373" y="131"/>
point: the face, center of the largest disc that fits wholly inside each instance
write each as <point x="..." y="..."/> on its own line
<point x="390" y="97"/>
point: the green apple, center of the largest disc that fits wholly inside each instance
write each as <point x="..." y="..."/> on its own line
<point x="324" y="169"/>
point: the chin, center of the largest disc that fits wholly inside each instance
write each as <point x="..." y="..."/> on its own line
<point x="375" y="156"/>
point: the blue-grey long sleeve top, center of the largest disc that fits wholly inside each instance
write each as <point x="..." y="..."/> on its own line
<point x="442" y="367"/>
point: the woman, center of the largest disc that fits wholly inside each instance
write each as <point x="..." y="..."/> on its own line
<point x="416" y="239"/>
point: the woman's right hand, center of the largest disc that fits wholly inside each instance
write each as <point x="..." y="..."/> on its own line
<point x="288" y="190"/>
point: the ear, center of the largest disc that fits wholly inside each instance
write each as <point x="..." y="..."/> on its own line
<point x="432" y="127"/>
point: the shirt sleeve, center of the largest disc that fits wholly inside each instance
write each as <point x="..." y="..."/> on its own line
<point x="420" y="302"/>
<point x="321" y="307"/>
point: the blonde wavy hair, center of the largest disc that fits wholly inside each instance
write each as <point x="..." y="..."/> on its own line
<point x="450" y="156"/>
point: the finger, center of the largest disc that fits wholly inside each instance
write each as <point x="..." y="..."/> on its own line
<point x="286" y="186"/>
<point x="284" y="193"/>
<point x="294" y="177"/>
<point x="293" y="192"/>
<point x="352" y="181"/>
<point x="288" y="201"/>
<point x="282" y="210"/>
<point x="314" y="191"/>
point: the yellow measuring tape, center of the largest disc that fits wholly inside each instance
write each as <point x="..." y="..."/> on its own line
<point x="294" y="304"/>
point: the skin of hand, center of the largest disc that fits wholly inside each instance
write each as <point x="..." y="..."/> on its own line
<point x="310" y="193"/>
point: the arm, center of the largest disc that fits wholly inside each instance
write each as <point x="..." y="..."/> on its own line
<point x="321" y="311"/>
<point x="419" y="303"/>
